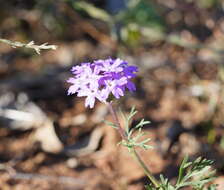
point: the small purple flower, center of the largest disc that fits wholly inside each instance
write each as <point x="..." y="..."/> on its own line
<point x="101" y="78"/>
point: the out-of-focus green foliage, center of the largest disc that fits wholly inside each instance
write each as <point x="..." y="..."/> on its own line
<point x="139" y="21"/>
<point x="143" y="13"/>
<point x="92" y="10"/>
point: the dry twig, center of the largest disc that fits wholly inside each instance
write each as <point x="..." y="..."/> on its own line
<point x="77" y="182"/>
<point x="30" y="45"/>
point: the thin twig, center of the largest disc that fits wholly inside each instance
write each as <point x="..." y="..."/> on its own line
<point x="78" y="182"/>
<point x="30" y="45"/>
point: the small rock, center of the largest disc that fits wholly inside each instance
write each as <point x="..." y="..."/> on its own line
<point x="72" y="163"/>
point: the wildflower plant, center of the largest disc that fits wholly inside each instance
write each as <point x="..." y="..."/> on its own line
<point x="107" y="79"/>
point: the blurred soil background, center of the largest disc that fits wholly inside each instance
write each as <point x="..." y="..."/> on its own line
<point x="49" y="140"/>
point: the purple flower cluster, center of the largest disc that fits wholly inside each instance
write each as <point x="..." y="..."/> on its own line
<point x="99" y="79"/>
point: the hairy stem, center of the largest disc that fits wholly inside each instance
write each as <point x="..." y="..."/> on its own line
<point x="133" y="151"/>
<point x="117" y="123"/>
<point x="145" y="168"/>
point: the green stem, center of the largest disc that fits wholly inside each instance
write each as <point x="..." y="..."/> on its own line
<point x="133" y="151"/>
<point x="145" y="168"/>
